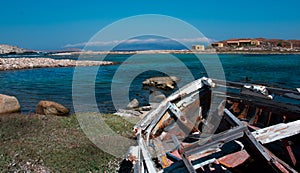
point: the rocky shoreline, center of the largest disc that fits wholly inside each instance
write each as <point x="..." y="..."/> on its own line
<point x="7" y="49"/>
<point x="29" y="63"/>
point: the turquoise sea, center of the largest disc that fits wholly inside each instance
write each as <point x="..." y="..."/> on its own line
<point x="32" y="85"/>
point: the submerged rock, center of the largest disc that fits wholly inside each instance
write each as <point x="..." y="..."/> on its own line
<point x="51" y="108"/>
<point x="162" y="82"/>
<point x="9" y="104"/>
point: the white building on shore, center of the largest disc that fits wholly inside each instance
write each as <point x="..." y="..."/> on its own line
<point x="199" y="47"/>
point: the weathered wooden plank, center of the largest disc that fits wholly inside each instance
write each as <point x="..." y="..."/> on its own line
<point x="146" y="157"/>
<point x="277" y="132"/>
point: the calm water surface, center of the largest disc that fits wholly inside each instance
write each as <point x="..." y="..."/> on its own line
<point x="31" y="86"/>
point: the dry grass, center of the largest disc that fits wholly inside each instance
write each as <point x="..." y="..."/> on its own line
<point x="38" y="143"/>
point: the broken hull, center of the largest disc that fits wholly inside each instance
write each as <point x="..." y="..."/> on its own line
<point x="215" y="125"/>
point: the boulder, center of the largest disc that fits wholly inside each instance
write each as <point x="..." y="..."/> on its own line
<point x="133" y="104"/>
<point x="9" y="104"/>
<point x="164" y="83"/>
<point x="51" y="108"/>
<point x="156" y="97"/>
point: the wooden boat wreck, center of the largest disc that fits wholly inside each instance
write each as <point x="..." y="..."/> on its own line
<point x="217" y="126"/>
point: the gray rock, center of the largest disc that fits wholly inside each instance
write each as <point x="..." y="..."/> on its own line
<point x="156" y="97"/>
<point x="51" y="108"/>
<point x="133" y="104"/>
<point x="9" y="104"/>
<point x="162" y="82"/>
<point x="145" y="108"/>
<point x="128" y="113"/>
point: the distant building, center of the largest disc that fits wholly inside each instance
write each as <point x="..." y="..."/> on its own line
<point x="217" y="44"/>
<point x="242" y="42"/>
<point x="233" y="43"/>
<point x="198" y="47"/>
<point x="257" y="44"/>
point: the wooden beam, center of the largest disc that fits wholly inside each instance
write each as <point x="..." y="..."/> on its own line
<point x="277" y="132"/>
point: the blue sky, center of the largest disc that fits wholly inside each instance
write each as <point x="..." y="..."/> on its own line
<point x="38" y="24"/>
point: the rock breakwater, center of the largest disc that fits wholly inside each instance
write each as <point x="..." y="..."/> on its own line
<point x="27" y="63"/>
